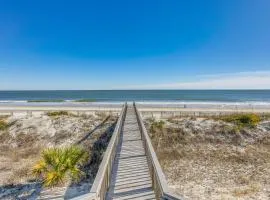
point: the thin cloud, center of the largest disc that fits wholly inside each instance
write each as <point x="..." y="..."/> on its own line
<point x="242" y="80"/>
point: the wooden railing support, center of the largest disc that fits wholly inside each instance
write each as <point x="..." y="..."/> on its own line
<point x="160" y="185"/>
<point x="103" y="177"/>
<point x="102" y="180"/>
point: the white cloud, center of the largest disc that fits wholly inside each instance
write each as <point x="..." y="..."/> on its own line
<point x="241" y="80"/>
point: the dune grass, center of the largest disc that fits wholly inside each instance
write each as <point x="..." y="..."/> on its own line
<point x="214" y="153"/>
<point x="243" y="120"/>
<point x="46" y="100"/>
<point x="85" y="100"/>
<point x="57" y="113"/>
<point x="3" y="125"/>
<point x="157" y="125"/>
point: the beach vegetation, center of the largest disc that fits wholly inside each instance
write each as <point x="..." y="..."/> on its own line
<point x="243" y="120"/>
<point x="3" y="125"/>
<point x="57" y="113"/>
<point x="157" y="125"/>
<point x="46" y="100"/>
<point x="85" y="100"/>
<point x="60" y="164"/>
<point x="248" y="190"/>
<point x="265" y="116"/>
<point x="221" y="147"/>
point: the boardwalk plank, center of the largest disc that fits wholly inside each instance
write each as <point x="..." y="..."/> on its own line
<point x="130" y="176"/>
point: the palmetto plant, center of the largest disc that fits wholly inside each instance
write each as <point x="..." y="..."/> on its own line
<point x="60" y="164"/>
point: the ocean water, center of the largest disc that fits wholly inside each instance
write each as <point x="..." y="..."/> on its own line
<point x="146" y="96"/>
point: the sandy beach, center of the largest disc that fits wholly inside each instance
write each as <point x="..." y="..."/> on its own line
<point x="60" y="106"/>
<point x="185" y="107"/>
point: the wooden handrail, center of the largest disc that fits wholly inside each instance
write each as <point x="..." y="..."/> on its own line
<point x="160" y="185"/>
<point x="102" y="180"/>
<point x="88" y="196"/>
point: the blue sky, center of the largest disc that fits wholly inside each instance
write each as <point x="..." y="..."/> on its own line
<point x="134" y="44"/>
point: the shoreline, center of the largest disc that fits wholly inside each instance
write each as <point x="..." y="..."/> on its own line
<point x="143" y="107"/>
<point x="198" y="111"/>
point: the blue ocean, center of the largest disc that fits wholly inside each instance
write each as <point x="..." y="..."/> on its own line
<point x="137" y="95"/>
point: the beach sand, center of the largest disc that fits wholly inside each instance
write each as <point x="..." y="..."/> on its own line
<point x="207" y="158"/>
<point x="23" y="140"/>
<point x="143" y="106"/>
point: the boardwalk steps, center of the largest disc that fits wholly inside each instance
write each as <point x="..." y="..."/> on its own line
<point x="129" y="169"/>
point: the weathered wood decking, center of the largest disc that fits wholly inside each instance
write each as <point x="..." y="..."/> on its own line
<point x="129" y="169"/>
<point x="130" y="174"/>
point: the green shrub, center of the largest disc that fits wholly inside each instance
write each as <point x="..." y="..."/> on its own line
<point x="3" y="125"/>
<point x="57" y="113"/>
<point x="85" y="100"/>
<point x="60" y="164"/>
<point x="45" y="101"/>
<point x="157" y="125"/>
<point x="243" y="120"/>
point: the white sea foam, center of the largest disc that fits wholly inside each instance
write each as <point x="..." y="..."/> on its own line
<point x="13" y="101"/>
<point x="144" y="103"/>
<point x="202" y="103"/>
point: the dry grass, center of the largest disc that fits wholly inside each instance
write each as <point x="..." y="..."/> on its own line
<point x="4" y="137"/>
<point x="17" y="161"/>
<point x="22" y="144"/>
<point x="20" y="174"/>
<point x="209" y="159"/>
<point x="102" y="115"/>
<point x="58" y="113"/>
<point x="248" y="190"/>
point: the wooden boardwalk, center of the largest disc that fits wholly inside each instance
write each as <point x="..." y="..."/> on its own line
<point x="130" y="174"/>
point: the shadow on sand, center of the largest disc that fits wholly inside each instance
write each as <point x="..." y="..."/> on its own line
<point x="29" y="191"/>
<point x="92" y="131"/>
<point x="91" y="168"/>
